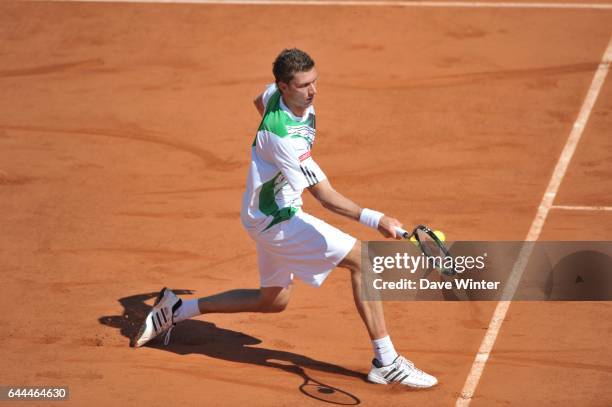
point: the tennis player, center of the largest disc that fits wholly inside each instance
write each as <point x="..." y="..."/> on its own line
<point x="290" y="242"/>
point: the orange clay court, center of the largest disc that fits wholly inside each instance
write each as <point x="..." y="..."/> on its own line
<point x="124" y="144"/>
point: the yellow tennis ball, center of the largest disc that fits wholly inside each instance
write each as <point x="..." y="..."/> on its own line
<point x="414" y="241"/>
<point x="440" y="235"/>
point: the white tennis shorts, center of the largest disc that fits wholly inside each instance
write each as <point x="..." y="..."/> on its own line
<point x="303" y="246"/>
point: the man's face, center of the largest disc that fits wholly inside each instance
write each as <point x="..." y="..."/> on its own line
<point x="301" y="90"/>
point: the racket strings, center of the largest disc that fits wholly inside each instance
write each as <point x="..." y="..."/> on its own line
<point x="434" y="250"/>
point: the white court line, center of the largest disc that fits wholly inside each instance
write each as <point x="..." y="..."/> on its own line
<point x="382" y="3"/>
<point x="534" y="232"/>
<point x="582" y="208"/>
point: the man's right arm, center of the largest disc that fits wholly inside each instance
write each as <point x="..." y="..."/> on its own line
<point x="301" y="174"/>
<point x="338" y="203"/>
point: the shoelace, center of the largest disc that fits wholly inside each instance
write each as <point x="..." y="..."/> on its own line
<point x="167" y="336"/>
<point x="411" y="365"/>
<point x="169" y="332"/>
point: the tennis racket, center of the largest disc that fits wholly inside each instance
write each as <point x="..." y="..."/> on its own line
<point x="431" y="246"/>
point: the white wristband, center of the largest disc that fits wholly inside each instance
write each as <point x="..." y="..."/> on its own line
<point x="370" y="218"/>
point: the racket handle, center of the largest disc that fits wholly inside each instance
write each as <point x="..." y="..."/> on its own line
<point x="402" y="232"/>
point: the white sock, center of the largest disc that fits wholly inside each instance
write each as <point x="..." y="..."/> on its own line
<point x="384" y="350"/>
<point x="188" y="309"/>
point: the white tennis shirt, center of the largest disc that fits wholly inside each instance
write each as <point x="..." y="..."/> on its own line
<point x="281" y="165"/>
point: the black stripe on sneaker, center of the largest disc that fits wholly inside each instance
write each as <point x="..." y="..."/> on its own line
<point x="390" y="372"/>
<point x="176" y="306"/>
<point x="154" y="326"/>
<point x="395" y="376"/>
<point x="159" y="320"/>
<point x="401" y="379"/>
<point x="164" y="315"/>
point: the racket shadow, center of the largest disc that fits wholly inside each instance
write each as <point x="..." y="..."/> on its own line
<point x="205" y="338"/>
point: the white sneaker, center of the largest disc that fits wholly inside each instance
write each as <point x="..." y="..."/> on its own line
<point x="160" y="318"/>
<point x="401" y="371"/>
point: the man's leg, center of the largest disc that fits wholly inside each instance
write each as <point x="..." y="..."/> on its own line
<point x="170" y="309"/>
<point x="388" y="366"/>
<point x="371" y="312"/>
<point x="264" y="299"/>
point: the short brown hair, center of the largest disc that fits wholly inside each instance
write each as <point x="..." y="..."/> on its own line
<point x="289" y="62"/>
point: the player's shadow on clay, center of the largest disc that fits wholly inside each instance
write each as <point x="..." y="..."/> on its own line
<point x="196" y="336"/>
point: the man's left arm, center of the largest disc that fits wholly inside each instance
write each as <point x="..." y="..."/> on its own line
<point x="338" y="203"/>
